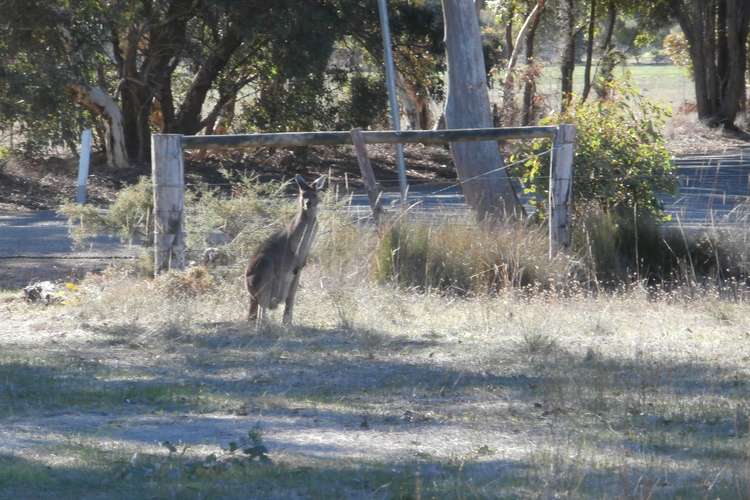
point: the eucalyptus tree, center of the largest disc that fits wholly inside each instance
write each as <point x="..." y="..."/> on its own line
<point x="158" y="65"/>
<point x="485" y="183"/>
<point x="717" y="35"/>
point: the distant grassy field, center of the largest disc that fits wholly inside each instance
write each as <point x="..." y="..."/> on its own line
<point x="665" y="84"/>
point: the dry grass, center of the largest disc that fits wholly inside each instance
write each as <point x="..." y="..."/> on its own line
<point x="379" y="392"/>
<point x="685" y="134"/>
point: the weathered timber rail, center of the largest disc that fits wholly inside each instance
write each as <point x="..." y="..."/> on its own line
<point x="339" y="138"/>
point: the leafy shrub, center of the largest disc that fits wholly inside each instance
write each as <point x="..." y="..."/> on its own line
<point x="252" y="211"/>
<point x="84" y="221"/>
<point x="677" y="49"/>
<point x="365" y="102"/>
<point x="620" y="160"/>
<point x="130" y="216"/>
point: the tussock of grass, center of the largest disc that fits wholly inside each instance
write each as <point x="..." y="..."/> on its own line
<point x="619" y="248"/>
<point x="463" y="258"/>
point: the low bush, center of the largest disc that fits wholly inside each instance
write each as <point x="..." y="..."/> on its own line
<point x="240" y="219"/>
<point x="130" y="216"/>
<point x="621" y="161"/>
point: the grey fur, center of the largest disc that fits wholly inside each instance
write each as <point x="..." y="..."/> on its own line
<point x="272" y="276"/>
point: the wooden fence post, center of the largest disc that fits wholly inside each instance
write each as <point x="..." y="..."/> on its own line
<point x="168" y="176"/>
<point x="374" y="191"/>
<point x="561" y="188"/>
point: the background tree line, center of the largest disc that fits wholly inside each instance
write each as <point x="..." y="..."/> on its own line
<point x="133" y="67"/>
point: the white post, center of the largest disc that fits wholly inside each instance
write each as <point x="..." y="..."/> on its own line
<point x="83" y="165"/>
<point x="391" y="82"/>
<point x="561" y="189"/>
<point x="168" y="176"/>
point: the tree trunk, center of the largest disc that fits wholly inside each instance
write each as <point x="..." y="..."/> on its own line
<point x="567" y="64"/>
<point x="416" y="105"/>
<point x="508" y="108"/>
<point x="508" y="48"/>
<point x="188" y="120"/>
<point x="529" y="87"/>
<point x="733" y="91"/>
<point x="487" y="190"/>
<point x="716" y="31"/>
<point x="136" y="109"/>
<point x="609" y="31"/>
<point x="102" y="104"/>
<point x="589" y="52"/>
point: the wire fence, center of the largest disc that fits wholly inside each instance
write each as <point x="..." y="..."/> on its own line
<point x="707" y="185"/>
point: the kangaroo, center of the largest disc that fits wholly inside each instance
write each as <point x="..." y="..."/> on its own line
<point x="273" y="273"/>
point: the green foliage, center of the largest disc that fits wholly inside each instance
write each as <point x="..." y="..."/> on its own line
<point x="620" y="160"/>
<point x="36" y="71"/>
<point x="677" y="49"/>
<point x="365" y="103"/>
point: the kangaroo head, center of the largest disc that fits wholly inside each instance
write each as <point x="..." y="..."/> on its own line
<point x="308" y="194"/>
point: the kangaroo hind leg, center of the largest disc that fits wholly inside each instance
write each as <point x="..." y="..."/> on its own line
<point x="289" y="304"/>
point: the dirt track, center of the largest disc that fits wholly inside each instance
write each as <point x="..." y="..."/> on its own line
<point x="35" y="245"/>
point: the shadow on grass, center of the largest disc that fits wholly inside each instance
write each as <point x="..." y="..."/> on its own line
<point x="325" y="364"/>
<point x="28" y="388"/>
<point x="108" y="473"/>
<point x="150" y="475"/>
<point x="230" y="362"/>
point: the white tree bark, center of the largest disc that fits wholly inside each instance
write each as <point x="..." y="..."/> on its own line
<point x="487" y="190"/>
<point x="99" y="101"/>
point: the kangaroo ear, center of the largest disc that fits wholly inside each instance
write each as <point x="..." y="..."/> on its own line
<point x="320" y="182"/>
<point x="303" y="185"/>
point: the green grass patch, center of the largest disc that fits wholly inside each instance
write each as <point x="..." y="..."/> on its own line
<point x="33" y="385"/>
<point x="666" y="84"/>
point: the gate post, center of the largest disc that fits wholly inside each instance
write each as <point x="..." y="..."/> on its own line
<point x="168" y="175"/>
<point x="374" y="192"/>
<point x="561" y="188"/>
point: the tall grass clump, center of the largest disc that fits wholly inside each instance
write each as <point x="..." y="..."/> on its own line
<point x="464" y="258"/>
<point x="626" y="246"/>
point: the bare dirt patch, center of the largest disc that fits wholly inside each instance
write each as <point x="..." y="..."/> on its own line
<point x="685" y="135"/>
